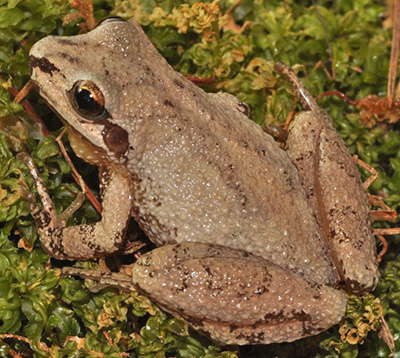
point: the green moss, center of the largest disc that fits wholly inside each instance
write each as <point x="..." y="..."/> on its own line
<point x="197" y="40"/>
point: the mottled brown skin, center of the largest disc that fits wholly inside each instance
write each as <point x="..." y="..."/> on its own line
<point x="328" y="172"/>
<point x="243" y="256"/>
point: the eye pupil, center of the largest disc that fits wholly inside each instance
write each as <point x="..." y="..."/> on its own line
<point x="88" y="99"/>
<point x="84" y="99"/>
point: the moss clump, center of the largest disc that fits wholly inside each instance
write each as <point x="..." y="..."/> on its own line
<point x="342" y="46"/>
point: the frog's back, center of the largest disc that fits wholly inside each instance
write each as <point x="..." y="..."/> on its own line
<point x="205" y="172"/>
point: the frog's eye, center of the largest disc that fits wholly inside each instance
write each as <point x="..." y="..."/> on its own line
<point x="88" y="100"/>
<point x="111" y="19"/>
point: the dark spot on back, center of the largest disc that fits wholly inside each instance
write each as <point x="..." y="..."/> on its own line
<point x="168" y="103"/>
<point x="179" y="83"/>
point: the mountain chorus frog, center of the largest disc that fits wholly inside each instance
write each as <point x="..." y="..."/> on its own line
<point x="252" y="240"/>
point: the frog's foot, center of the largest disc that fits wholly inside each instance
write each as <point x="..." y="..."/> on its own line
<point x="104" y="279"/>
<point x="235" y="297"/>
<point x="83" y="241"/>
<point x="307" y="101"/>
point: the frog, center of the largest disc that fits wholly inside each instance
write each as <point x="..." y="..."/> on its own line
<point x="255" y="243"/>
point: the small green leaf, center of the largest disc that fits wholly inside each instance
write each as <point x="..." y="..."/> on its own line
<point x="10" y="17"/>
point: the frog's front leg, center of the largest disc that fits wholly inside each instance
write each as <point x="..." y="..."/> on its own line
<point x="84" y="241"/>
<point x="235" y="297"/>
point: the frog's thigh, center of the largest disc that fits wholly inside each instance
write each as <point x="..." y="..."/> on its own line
<point x="234" y="297"/>
<point x="97" y="239"/>
<point x="345" y="212"/>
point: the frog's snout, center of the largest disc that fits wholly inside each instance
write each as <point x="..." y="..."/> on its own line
<point x="39" y="59"/>
<point x="43" y="64"/>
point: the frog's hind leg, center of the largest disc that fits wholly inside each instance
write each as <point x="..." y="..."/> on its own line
<point x="336" y="195"/>
<point x="334" y="189"/>
<point x="345" y="212"/>
<point x="235" y="297"/>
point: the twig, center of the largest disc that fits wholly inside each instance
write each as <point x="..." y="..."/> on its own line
<point x="339" y="94"/>
<point x="233" y="7"/>
<point x="388" y="231"/>
<point x="384" y="249"/>
<point x="374" y="173"/>
<point x="76" y="175"/>
<point x="19" y="98"/>
<point x="394" y="56"/>
<point x="385" y="334"/>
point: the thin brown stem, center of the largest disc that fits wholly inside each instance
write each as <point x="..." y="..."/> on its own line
<point x="76" y="175"/>
<point x="388" y="231"/>
<point x="374" y="173"/>
<point x="339" y="94"/>
<point x="394" y="56"/>
<point x="233" y="7"/>
<point x="20" y="98"/>
<point x="384" y="247"/>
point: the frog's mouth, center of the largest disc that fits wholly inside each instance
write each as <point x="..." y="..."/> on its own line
<point x="86" y="150"/>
